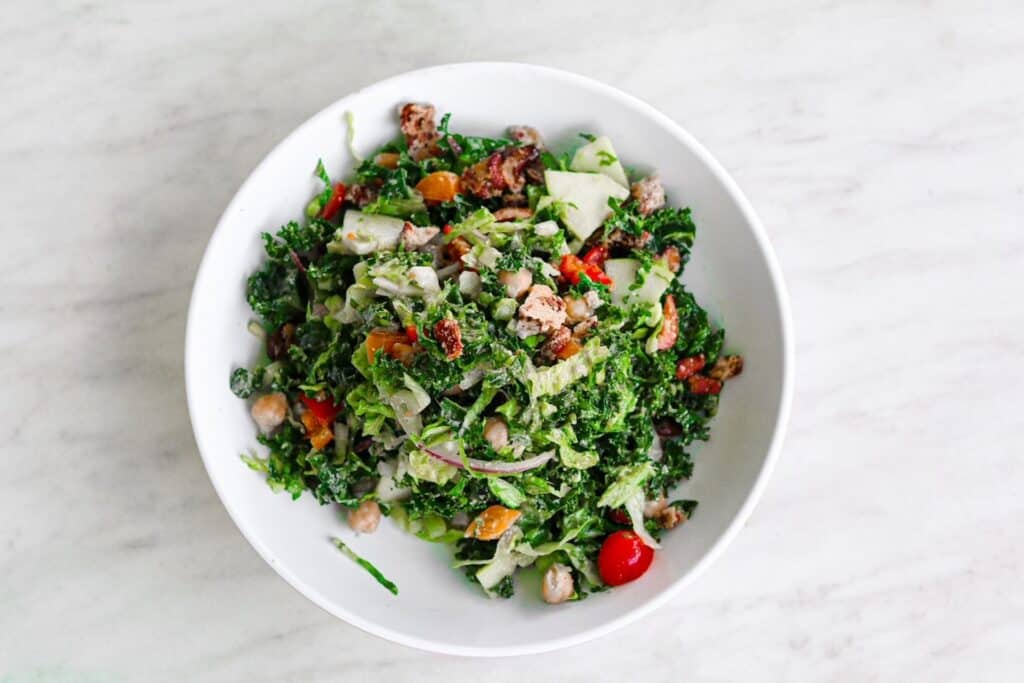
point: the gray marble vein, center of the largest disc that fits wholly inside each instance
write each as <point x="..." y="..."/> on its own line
<point x="881" y="143"/>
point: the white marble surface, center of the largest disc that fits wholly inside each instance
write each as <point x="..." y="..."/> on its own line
<point x="882" y="144"/>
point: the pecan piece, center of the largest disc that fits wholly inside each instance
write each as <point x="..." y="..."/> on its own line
<point x="671" y="517"/>
<point x="361" y="195"/>
<point x="508" y="169"/>
<point x="449" y="336"/>
<point x="726" y="367"/>
<point x="555" y="344"/>
<point x="457" y="248"/>
<point x="526" y="135"/>
<point x="420" y="130"/>
<point x="513" y="213"/>
<point x="413" y="238"/>
<point x="648" y="194"/>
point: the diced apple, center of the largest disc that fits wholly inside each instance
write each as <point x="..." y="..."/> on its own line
<point x="599" y="157"/>
<point x="364" y="233"/>
<point x="585" y="196"/>
<point x="623" y="272"/>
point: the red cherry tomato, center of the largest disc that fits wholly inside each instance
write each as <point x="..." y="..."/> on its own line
<point x="623" y="558"/>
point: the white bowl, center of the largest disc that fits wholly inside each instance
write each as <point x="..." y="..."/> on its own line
<point x="733" y="272"/>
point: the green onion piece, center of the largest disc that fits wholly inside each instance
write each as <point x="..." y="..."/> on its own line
<point x="374" y="572"/>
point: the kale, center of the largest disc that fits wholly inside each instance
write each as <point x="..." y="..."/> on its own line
<point x="432" y="375"/>
<point x="335" y="482"/>
<point x="671" y="227"/>
<point x="454" y="211"/>
<point x="555" y="163"/>
<point x="514" y="256"/>
<point x="301" y="239"/>
<point x="459" y="495"/>
<point x="675" y="465"/>
<point x="286" y="463"/>
<point x="686" y="506"/>
<point x="332" y="271"/>
<point x="475" y="550"/>
<point x="313" y="336"/>
<point x="466" y="150"/>
<point x="273" y="293"/>
<point x="624" y="217"/>
<point x="667" y="226"/>
<point x="504" y="588"/>
<point x="243" y="383"/>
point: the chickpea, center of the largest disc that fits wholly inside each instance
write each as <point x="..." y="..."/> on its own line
<point x="557" y="586"/>
<point x="516" y="282"/>
<point x="576" y="309"/>
<point x="496" y="432"/>
<point x="365" y="518"/>
<point x="269" y="411"/>
<point x="579" y="309"/>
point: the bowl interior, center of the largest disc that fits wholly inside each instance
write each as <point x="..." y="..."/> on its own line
<point x="731" y="271"/>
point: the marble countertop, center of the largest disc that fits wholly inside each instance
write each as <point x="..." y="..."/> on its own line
<point x="882" y="145"/>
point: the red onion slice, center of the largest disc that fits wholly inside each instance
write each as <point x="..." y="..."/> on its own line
<point x="491" y="466"/>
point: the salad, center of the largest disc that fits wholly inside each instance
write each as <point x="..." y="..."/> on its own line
<point x="488" y="342"/>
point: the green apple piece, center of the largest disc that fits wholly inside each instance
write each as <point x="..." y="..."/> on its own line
<point x="364" y="233"/>
<point x="599" y="157"/>
<point x="585" y="198"/>
<point x="623" y="272"/>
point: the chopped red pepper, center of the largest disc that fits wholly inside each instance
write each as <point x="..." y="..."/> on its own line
<point x="700" y="384"/>
<point x="596" y="256"/>
<point x="412" y="333"/>
<point x="690" y="366"/>
<point x="334" y="203"/>
<point x="573" y="266"/>
<point x="447" y="229"/>
<point x="598" y="276"/>
<point x="325" y="410"/>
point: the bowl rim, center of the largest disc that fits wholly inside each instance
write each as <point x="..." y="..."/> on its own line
<point x="193" y="346"/>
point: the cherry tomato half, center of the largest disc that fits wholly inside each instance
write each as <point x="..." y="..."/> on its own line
<point x="623" y="558"/>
